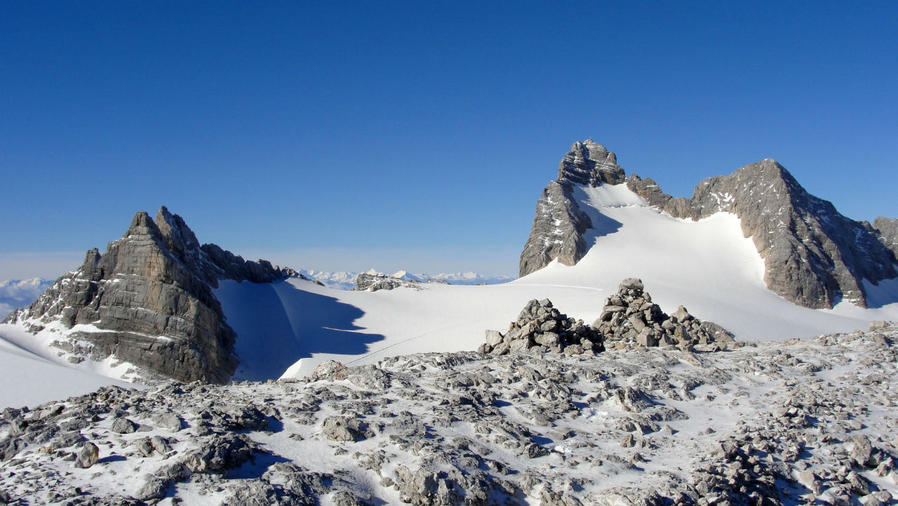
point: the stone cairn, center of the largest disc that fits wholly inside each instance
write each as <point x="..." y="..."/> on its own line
<point x="629" y="319"/>
<point x="541" y="328"/>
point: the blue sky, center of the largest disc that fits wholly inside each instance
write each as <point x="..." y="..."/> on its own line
<point x="419" y="134"/>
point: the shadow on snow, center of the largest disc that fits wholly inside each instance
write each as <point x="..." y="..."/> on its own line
<point x="278" y="324"/>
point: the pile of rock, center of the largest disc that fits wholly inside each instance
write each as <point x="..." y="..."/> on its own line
<point x="541" y="328"/>
<point x="631" y="318"/>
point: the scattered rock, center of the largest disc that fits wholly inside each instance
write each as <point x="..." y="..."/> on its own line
<point x="87" y="456"/>
<point x="122" y="425"/>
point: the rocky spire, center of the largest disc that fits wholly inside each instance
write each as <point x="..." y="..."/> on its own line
<point x="559" y="224"/>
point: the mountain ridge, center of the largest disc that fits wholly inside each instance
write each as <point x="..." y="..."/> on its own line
<point x="814" y="256"/>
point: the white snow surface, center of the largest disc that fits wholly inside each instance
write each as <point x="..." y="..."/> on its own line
<point x="35" y="372"/>
<point x="707" y="266"/>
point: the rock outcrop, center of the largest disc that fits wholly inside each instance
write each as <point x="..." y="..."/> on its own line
<point x="372" y="282"/>
<point x="541" y="328"/>
<point x="149" y="300"/>
<point x="557" y="232"/>
<point x="813" y="256"/>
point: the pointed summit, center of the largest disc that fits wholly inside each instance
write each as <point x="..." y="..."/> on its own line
<point x="178" y="237"/>
<point x="591" y="164"/>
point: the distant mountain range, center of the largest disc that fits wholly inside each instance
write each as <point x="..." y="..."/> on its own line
<point x="347" y="280"/>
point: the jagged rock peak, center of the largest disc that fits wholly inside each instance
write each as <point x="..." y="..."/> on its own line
<point x="814" y="256"/>
<point x="151" y="297"/>
<point x="141" y="224"/>
<point x="177" y="235"/>
<point x="559" y="224"/>
<point x="590" y="163"/>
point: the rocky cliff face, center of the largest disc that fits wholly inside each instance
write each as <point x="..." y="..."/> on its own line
<point x="813" y="255"/>
<point x="148" y="300"/>
<point x="558" y="227"/>
<point x="887" y="229"/>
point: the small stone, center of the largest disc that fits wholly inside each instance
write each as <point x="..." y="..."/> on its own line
<point x="87" y="456"/>
<point x="122" y="425"/>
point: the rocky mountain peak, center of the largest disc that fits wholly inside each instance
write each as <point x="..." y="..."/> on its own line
<point x="814" y="256"/>
<point x="142" y="224"/>
<point x="151" y="298"/>
<point x="590" y="163"/>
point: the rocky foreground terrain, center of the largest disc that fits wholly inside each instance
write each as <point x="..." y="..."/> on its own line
<point x="801" y="421"/>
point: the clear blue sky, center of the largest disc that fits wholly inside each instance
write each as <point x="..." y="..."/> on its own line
<point x="367" y="129"/>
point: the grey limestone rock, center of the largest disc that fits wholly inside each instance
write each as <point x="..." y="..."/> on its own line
<point x="220" y="453"/>
<point x="558" y="227"/>
<point x="813" y="255"/>
<point x="540" y="327"/>
<point x="150" y="295"/>
<point x="372" y="282"/>
<point x="887" y="229"/>
<point x="342" y="428"/>
<point x="87" y="455"/>
<point x="122" y="425"/>
<point x="631" y="318"/>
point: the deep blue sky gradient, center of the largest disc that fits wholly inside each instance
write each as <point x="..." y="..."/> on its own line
<point x="428" y="126"/>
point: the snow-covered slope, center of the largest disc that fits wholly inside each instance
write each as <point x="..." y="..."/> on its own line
<point x="288" y="327"/>
<point x="35" y="372"/>
<point x="707" y="265"/>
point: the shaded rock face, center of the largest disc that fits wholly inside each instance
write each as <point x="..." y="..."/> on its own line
<point x="558" y="227"/>
<point x="813" y="255"/>
<point x="887" y="229"/>
<point x="150" y="299"/>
